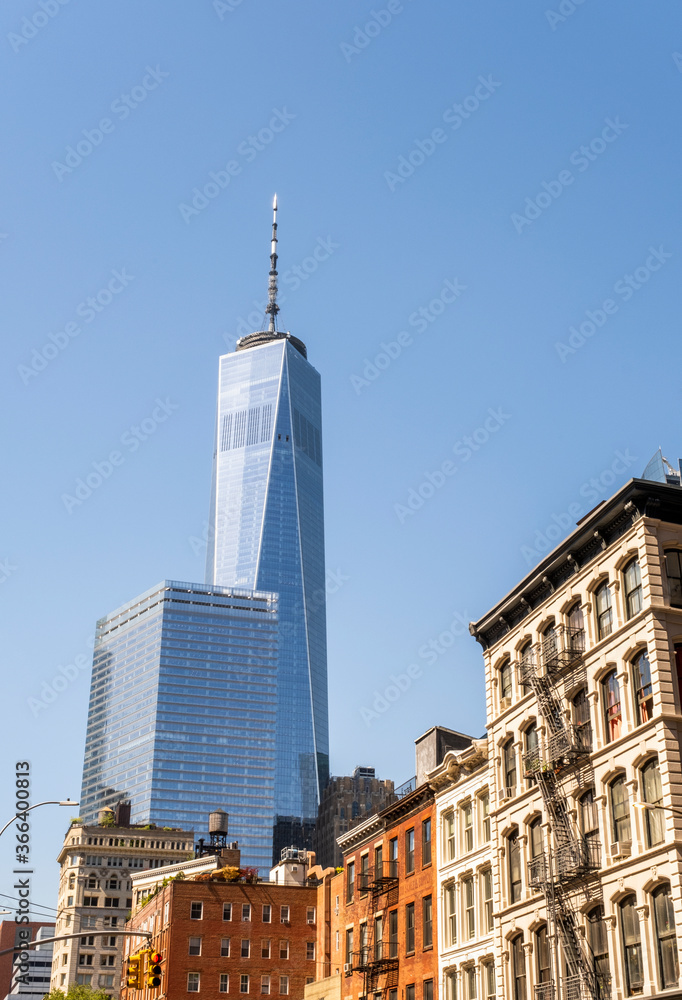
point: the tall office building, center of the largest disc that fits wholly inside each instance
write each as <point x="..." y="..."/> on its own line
<point x="182" y="712"/>
<point x="266" y="532"/>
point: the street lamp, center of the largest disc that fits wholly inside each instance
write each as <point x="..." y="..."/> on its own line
<point x="652" y="807"/>
<point x="65" y="802"/>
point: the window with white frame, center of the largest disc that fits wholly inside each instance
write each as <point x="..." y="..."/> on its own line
<point x="467" y="826"/>
<point x="450" y="899"/>
<point x="193" y="982"/>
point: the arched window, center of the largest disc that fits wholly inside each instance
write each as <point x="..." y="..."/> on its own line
<point x="589" y="827"/>
<point x="544" y="971"/>
<point x="581" y="719"/>
<point x="673" y="570"/>
<point x="550" y="648"/>
<point x="514" y="853"/>
<point x="632" y="946"/>
<point x="527" y="660"/>
<point x="532" y="754"/>
<point x="518" y="964"/>
<point x="509" y="767"/>
<point x="666" y="941"/>
<point x="620" y="811"/>
<point x="535" y="837"/>
<point x="652" y="794"/>
<point x="602" y="602"/>
<point x="632" y="578"/>
<point x="613" y="714"/>
<point x="644" y="699"/>
<point x="596" y="936"/>
<point x="505" y="682"/>
<point x="576" y="627"/>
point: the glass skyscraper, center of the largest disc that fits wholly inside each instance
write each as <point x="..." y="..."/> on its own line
<point x="266" y="532"/>
<point x="182" y="715"/>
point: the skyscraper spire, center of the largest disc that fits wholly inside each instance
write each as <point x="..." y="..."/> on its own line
<point x="272" y="307"/>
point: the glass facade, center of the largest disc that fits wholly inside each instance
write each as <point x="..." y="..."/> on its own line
<point x="266" y="533"/>
<point x="183" y="708"/>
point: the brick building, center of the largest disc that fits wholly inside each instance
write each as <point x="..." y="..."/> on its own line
<point x="217" y="937"/>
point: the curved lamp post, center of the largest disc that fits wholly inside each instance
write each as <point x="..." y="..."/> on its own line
<point x="55" y="802"/>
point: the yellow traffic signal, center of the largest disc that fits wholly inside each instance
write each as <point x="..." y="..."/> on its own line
<point x="154" y="970"/>
<point x="134" y="976"/>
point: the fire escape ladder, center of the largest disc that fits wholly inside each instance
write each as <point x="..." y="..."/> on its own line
<point x="373" y="960"/>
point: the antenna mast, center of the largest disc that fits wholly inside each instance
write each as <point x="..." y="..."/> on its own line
<point x="272" y="307"/>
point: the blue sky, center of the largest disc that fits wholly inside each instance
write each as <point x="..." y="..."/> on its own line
<point x="477" y="179"/>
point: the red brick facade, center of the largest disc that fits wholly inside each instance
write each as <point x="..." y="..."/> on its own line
<point x="228" y="933"/>
<point x="380" y="912"/>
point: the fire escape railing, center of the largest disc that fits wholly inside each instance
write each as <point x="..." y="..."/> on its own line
<point x="378" y="960"/>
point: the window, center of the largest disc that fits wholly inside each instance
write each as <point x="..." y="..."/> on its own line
<point x="652" y="794"/>
<point x="393" y="850"/>
<point x="89" y="941"/>
<point x="409" y="851"/>
<point x="192" y="982"/>
<point x="284" y="950"/>
<point x="224" y="982"/>
<point x="613" y="715"/>
<point x="246" y="911"/>
<point x="265" y="985"/>
<point x="83" y="980"/>
<point x="620" y="810"/>
<point x="666" y="941"/>
<point x="224" y="947"/>
<point x="310" y="914"/>
<point x="393" y="934"/>
<point x="550" y="647"/>
<point x="632" y="579"/>
<point x="378" y="939"/>
<point x="470" y="979"/>
<point x="597" y="939"/>
<point x="87" y="901"/>
<point x="589" y="826"/>
<point x="246" y="948"/>
<point x="265" y="948"/>
<point x="509" y="767"/>
<point x="576" y="622"/>
<point x="581" y="719"/>
<point x="107" y="960"/>
<point x="243" y="984"/>
<point x="284" y="914"/>
<point x="602" y="601"/>
<point x="267" y="913"/>
<point x="428" y="989"/>
<point x="111" y="901"/>
<point x="284" y="985"/>
<point x="518" y="968"/>
<point x="532" y="756"/>
<point x="409" y="928"/>
<point x="488" y="974"/>
<point x="468" y="827"/>
<point x="514" y="851"/>
<point x="364" y="950"/>
<point x="535" y="838"/>
<point x="632" y="946"/>
<point x="350" y="881"/>
<point x="349" y="946"/>
<point x="227" y="911"/>
<point x="542" y="955"/>
<point x="527" y="658"/>
<point x="409" y="992"/>
<point x="196" y="911"/>
<point x="450" y="986"/>
<point x="378" y="860"/>
<point x="451" y="914"/>
<point x="673" y="570"/>
<point x="364" y="872"/>
<point x="487" y="888"/>
<point x="195" y="946"/>
<point x="393" y="994"/>
<point x="469" y="912"/>
<point x="449" y="835"/>
<point x="427" y="918"/>
<point x="310" y="951"/>
<point x="426" y="842"/>
<point x="505" y="684"/>
<point x="644" y="698"/>
<point x="484" y="801"/>
<point x="107" y="982"/>
<point x="85" y="959"/>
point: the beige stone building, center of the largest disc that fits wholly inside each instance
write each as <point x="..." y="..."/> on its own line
<point x="583" y="667"/>
<point x="95" y="894"/>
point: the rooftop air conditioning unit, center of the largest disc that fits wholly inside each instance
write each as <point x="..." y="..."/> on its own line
<point x="621" y="849"/>
<point x="348" y="968"/>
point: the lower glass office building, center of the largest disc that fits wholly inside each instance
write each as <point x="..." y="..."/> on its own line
<point x="182" y="715"/>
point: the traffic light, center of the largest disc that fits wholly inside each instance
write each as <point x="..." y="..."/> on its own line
<point x="134" y="972"/>
<point x="154" y="970"/>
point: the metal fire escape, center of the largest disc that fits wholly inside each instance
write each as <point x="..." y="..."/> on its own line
<point x="569" y="876"/>
<point x="377" y="960"/>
